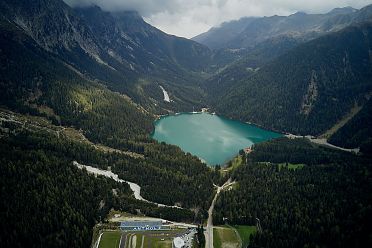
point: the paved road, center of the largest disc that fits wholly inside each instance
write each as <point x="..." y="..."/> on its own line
<point x="209" y="230"/>
<point x="322" y="141"/>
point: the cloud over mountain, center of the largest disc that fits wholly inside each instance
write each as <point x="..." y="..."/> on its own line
<point x="191" y="17"/>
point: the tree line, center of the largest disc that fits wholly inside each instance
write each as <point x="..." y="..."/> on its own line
<point x="324" y="203"/>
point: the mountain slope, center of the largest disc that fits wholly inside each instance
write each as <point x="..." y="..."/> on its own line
<point x="49" y="87"/>
<point x="356" y="132"/>
<point x="38" y="82"/>
<point x="157" y="59"/>
<point x="127" y="37"/>
<point x="255" y="41"/>
<point x="249" y="61"/>
<point x="308" y="89"/>
<point x="217" y="37"/>
<point x="248" y="32"/>
<point x="120" y="50"/>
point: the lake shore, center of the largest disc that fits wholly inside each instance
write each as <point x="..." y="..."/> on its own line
<point x="208" y="136"/>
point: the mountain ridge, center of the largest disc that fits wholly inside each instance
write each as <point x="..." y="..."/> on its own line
<point x="299" y="24"/>
<point x="350" y="62"/>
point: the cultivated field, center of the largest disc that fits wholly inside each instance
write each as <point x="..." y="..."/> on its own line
<point x="232" y="236"/>
<point x="225" y="237"/>
<point x="145" y="239"/>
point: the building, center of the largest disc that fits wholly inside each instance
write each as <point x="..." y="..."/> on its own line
<point x="142" y="226"/>
<point x="178" y="242"/>
<point x="247" y="150"/>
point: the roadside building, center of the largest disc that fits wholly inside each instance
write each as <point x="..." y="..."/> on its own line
<point x="142" y="226"/>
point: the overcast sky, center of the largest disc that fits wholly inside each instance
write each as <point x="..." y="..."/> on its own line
<point x="188" y="18"/>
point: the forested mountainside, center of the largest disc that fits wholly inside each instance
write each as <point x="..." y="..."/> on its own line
<point x="356" y="132"/>
<point x="303" y="195"/>
<point x="63" y="203"/>
<point x="39" y="78"/>
<point x="36" y="82"/>
<point x="121" y="50"/>
<point x="48" y="201"/>
<point x="307" y="90"/>
<point x="83" y="85"/>
<point x="244" y="64"/>
<point x="255" y="41"/>
<point x="217" y="37"/>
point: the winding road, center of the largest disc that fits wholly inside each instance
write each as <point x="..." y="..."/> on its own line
<point x="322" y="141"/>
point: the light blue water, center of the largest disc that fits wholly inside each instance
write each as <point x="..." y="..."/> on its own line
<point x="212" y="138"/>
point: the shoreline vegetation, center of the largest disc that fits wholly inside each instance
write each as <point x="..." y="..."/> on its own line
<point x="236" y="125"/>
<point x="314" y="139"/>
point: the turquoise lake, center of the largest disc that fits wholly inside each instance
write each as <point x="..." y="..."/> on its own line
<point x="214" y="139"/>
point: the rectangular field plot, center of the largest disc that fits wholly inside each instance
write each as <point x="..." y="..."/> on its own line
<point x="139" y="239"/>
<point x="110" y="239"/>
<point x="225" y="237"/>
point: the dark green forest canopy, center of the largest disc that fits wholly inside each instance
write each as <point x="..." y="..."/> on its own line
<point x="324" y="202"/>
<point x="308" y="89"/>
<point x="357" y="132"/>
<point x="304" y="195"/>
<point x="47" y="87"/>
<point x="63" y="202"/>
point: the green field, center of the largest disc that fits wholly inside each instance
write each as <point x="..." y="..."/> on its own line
<point x="157" y="243"/>
<point x="156" y="239"/>
<point x="245" y="232"/>
<point x="110" y="239"/>
<point x="224" y="237"/>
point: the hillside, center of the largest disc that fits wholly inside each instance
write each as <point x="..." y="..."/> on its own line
<point x="106" y="47"/>
<point x="47" y="87"/>
<point x="303" y="196"/>
<point x="308" y="89"/>
<point x="254" y="41"/>
<point x="248" y="32"/>
<point x="356" y="132"/>
<point x="83" y="85"/>
<point x="41" y="79"/>
<point x="217" y="37"/>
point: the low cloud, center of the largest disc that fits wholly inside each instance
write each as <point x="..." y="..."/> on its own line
<point x="145" y="7"/>
<point x="190" y="17"/>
